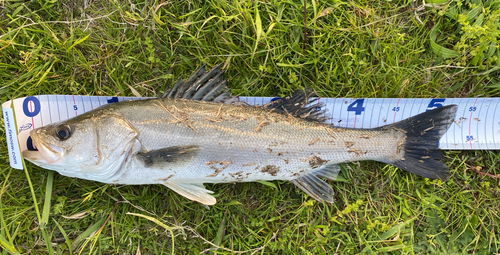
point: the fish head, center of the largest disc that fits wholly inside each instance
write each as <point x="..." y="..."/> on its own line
<point x="65" y="145"/>
<point x="89" y="147"/>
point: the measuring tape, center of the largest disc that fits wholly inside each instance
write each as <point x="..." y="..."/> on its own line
<point x="476" y="127"/>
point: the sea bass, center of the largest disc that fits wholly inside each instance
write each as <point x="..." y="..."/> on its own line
<point x="196" y="134"/>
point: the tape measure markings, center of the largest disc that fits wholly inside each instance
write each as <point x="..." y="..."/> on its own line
<point x="478" y="132"/>
<point x="74" y="105"/>
<point x="68" y="111"/>
<point x="58" y="109"/>
<point x="396" y="110"/>
<point x="447" y="134"/>
<point x="478" y="121"/>
<point x="493" y="127"/>
<point x="91" y="104"/>
<point x="32" y="110"/>
<point x="48" y="105"/>
<point x="483" y="122"/>
<point x="487" y="118"/>
<point x="380" y="112"/>
<point x="473" y="107"/>
<point x="56" y="106"/>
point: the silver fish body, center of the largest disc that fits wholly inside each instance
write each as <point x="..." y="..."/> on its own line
<point x="234" y="143"/>
<point x="184" y="143"/>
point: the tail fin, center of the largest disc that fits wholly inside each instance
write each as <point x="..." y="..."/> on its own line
<point x="423" y="132"/>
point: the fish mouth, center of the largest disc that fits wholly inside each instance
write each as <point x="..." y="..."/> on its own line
<point x="46" y="154"/>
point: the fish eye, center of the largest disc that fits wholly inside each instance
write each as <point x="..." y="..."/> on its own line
<point x="63" y="132"/>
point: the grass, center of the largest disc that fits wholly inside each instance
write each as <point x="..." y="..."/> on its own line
<point x="359" y="49"/>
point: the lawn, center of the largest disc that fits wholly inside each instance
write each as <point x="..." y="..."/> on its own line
<point x="356" y="49"/>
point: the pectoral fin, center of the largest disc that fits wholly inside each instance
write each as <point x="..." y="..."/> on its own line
<point x="194" y="191"/>
<point x="171" y="155"/>
<point x="317" y="188"/>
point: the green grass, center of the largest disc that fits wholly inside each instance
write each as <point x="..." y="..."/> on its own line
<point x="359" y="48"/>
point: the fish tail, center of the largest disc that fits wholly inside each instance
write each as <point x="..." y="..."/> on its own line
<point x="421" y="145"/>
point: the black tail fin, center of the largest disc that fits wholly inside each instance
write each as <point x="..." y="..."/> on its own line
<point x="423" y="132"/>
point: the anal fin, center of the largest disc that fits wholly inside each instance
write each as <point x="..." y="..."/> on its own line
<point x="314" y="186"/>
<point x="193" y="191"/>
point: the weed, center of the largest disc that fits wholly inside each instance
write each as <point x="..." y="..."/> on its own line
<point x="353" y="49"/>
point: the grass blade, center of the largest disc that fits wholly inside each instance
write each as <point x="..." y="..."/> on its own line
<point x="35" y="203"/>
<point x="258" y="28"/>
<point x="4" y="243"/>
<point x="7" y="245"/>
<point x="438" y="49"/>
<point x="66" y="238"/>
<point x="78" y="42"/>
<point x="159" y="223"/>
<point x="46" y="205"/>
<point x="220" y="232"/>
<point x="270" y="184"/>
<point x="85" y="234"/>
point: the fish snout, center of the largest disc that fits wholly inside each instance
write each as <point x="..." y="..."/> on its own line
<point x="47" y="153"/>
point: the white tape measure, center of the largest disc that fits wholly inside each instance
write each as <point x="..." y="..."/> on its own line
<point x="476" y="127"/>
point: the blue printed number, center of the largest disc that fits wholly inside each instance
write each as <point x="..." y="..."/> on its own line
<point x="395" y="109"/>
<point x="356" y="106"/>
<point x="113" y="100"/>
<point x="31" y="111"/>
<point x="435" y="103"/>
<point x="472" y="109"/>
<point x="469" y="138"/>
<point x="75" y="107"/>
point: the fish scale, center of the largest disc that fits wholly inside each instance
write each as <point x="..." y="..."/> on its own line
<point x="183" y="143"/>
<point x="236" y="141"/>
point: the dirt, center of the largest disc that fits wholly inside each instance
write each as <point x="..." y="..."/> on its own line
<point x="349" y="144"/>
<point x="316" y="161"/>
<point x="314" y="141"/>
<point x="224" y="164"/>
<point x="271" y="169"/>
<point x="365" y="136"/>
<point x="259" y="126"/>
<point x="165" y="179"/>
<point x="357" y="151"/>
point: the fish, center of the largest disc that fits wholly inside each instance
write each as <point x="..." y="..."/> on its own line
<point x="198" y="133"/>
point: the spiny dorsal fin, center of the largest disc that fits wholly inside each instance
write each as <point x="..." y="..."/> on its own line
<point x="301" y="104"/>
<point x="314" y="186"/>
<point x="203" y="86"/>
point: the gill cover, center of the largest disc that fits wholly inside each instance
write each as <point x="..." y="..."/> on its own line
<point x="92" y="146"/>
<point x="116" y="141"/>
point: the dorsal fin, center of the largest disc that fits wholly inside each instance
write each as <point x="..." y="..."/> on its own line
<point x="202" y="86"/>
<point x="302" y="103"/>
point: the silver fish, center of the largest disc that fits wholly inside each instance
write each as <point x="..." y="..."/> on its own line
<point x="195" y="134"/>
